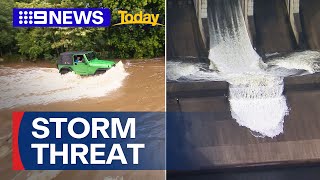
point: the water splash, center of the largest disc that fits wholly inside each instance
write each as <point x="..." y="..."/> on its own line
<point x="256" y="98"/>
<point x="259" y="105"/>
<point x="230" y="47"/>
<point x="30" y="86"/>
<point x="180" y="71"/>
<point x="306" y="60"/>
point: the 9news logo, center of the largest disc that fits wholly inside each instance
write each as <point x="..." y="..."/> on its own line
<point x="86" y="141"/>
<point x="61" y="17"/>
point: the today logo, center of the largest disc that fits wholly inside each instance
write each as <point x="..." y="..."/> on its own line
<point x="127" y="18"/>
<point x="61" y="17"/>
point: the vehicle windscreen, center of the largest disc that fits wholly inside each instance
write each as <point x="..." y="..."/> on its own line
<point x="91" y="56"/>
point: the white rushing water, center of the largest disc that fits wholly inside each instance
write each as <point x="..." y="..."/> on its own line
<point x="29" y="86"/>
<point x="256" y="97"/>
<point x="306" y="60"/>
<point x="256" y="88"/>
<point x="179" y="71"/>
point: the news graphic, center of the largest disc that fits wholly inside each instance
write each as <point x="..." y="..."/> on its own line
<point x="86" y="141"/>
<point x="140" y="18"/>
<point x="61" y="17"/>
<point x="82" y="92"/>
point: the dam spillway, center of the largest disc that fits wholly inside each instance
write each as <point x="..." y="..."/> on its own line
<point x="255" y="97"/>
<point x="273" y="25"/>
<point x="219" y="140"/>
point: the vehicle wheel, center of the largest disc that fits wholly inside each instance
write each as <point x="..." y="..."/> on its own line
<point x="98" y="72"/>
<point x="64" y="71"/>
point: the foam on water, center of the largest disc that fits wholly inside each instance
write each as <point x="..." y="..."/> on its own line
<point x="180" y="71"/>
<point x="259" y="104"/>
<point x="29" y="86"/>
<point x="263" y="115"/>
<point x="306" y="60"/>
<point x="176" y="70"/>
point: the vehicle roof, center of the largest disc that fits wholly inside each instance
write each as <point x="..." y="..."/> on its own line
<point x="75" y="52"/>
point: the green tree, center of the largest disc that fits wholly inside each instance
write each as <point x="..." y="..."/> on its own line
<point x="7" y="33"/>
<point x="127" y="41"/>
<point x="136" y="41"/>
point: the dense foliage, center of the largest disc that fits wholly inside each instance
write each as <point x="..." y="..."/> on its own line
<point x="125" y="41"/>
<point x="7" y="33"/>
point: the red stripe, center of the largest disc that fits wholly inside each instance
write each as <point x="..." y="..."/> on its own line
<point x="16" y="159"/>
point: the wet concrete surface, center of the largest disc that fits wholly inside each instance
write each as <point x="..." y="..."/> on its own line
<point x="310" y="20"/>
<point x="273" y="29"/>
<point x="290" y="172"/>
<point x="220" y="142"/>
<point x="183" y="34"/>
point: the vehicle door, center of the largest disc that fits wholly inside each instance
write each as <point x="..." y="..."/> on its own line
<point x="80" y="66"/>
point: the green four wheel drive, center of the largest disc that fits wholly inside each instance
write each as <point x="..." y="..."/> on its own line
<point x="83" y="63"/>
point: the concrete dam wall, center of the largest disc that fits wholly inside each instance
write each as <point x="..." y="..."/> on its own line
<point x="183" y="34"/>
<point x="273" y="29"/>
<point x="310" y="20"/>
<point x="273" y="26"/>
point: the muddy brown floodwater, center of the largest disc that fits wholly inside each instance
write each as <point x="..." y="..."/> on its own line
<point x="142" y="90"/>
